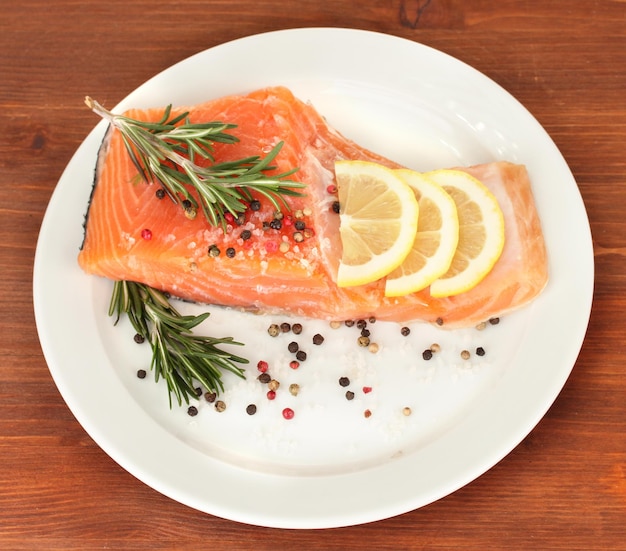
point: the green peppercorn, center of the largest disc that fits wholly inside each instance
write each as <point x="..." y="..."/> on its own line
<point x="363" y="341"/>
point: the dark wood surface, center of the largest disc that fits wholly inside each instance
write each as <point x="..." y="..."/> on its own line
<point x="563" y="487"/>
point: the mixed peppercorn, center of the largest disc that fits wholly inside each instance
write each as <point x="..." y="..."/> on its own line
<point x="294" y="347"/>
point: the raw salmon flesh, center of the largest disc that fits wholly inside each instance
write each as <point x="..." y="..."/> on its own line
<point x="272" y="271"/>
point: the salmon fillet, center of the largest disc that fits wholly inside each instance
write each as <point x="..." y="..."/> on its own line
<point x="268" y="269"/>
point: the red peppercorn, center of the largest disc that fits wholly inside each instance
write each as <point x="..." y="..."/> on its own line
<point x="228" y="216"/>
<point x="271" y="246"/>
<point x="271" y="394"/>
<point x="294" y="364"/>
<point x="288" y="413"/>
<point x="262" y="366"/>
<point x="367" y="389"/>
<point x="332" y="189"/>
<point x="146" y="234"/>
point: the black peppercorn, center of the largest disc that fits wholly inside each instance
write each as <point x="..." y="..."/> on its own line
<point x="427" y="354"/>
<point x="251" y="409"/>
<point x="230" y="252"/>
<point x="301" y="355"/>
<point x="296" y="328"/>
<point x="255" y="205"/>
<point x="344" y="381"/>
<point x="336" y="207"/>
<point x="192" y="411"/>
<point x="318" y="339"/>
<point x="293" y="346"/>
<point x="245" y="235"/>
<point x="141" y="373"/>
<point x="299" y="225"/>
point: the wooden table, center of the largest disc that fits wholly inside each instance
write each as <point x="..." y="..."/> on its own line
<point x="563" y="487"/>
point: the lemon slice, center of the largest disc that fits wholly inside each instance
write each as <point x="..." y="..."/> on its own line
<point x="378" y="221"/>
<point x="481" y="233"/>
<point x="435" y="241"/>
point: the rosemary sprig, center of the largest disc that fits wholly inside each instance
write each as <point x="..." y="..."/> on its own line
<point x="178" y="356"/>
<point x="166" y="151"/>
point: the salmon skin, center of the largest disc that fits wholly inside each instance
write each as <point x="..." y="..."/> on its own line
<point x="288" y="266"/>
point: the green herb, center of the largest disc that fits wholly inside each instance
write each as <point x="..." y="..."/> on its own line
<point x="178" y="356"/>
<point x="166" y="151"/>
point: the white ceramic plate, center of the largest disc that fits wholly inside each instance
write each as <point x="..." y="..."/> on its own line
<point x="329" y="466"/>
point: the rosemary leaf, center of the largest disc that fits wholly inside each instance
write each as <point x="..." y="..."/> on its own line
<point x="165" y="152"/>
<point x="179" y="356"/>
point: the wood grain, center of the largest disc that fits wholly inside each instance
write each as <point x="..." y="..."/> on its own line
<point x="563" y="487"/>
